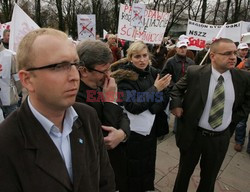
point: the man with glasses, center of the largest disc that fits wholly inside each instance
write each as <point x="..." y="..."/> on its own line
<point x="209" y="101"/>
<point x="99" y="90"/>
<point x="50" y="143"/>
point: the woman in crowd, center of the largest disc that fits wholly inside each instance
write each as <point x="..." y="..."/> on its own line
<point x="145" y="96"/>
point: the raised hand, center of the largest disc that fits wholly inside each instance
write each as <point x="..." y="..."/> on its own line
<point x="162" y="83"/>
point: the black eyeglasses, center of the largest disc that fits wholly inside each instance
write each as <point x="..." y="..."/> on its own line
<point x="229" y="53"/>
<point x="102" y="72"/>
<point x="64" y="66"/>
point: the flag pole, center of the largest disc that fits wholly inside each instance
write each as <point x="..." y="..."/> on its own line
<point x="217" y="36"/>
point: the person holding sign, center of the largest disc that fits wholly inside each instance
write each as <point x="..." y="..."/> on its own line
<point x="209" y="101"/>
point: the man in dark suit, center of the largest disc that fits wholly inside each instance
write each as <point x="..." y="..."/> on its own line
<point x="99" y="90"/>
<point x="208" y="101"/>
<point x="50" y="143"/>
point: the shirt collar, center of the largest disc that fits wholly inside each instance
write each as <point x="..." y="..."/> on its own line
<point x="70" y="117"/>
<point x="216" y="74"/>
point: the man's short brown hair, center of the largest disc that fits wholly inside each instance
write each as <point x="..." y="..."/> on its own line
<point x="215" y="44"/>
<point x="25" y="52"/>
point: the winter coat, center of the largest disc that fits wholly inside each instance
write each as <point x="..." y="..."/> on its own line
<point x="142" y="149"/>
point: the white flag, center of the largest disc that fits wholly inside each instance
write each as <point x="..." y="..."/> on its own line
<point x="21" y="24"/>
<point x="104" y="33"/>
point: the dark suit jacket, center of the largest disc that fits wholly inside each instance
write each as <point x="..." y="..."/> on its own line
<point x="191" y="92"/>
<point x="30" y="162"/>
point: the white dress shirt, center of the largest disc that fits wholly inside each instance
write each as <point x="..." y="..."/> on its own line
<point x="228" y="104"/>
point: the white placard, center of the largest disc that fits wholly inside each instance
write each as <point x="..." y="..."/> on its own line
<point x="141" y="123"/>
<point x="152" y="32"/>
<point x="86" y="26"/>
<point x="137" y="14"/>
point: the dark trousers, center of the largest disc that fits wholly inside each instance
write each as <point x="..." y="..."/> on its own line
<point x="141" y="161"/>
<point x="211" y="151"/>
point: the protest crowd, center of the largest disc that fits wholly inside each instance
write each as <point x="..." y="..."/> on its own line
<point x="86" y="115"/>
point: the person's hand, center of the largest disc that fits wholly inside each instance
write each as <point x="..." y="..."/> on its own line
<point x="162" y="83"/>
<point x="109" y="90"/>
<point x="115" y="136"/>
<point x="178" y="111"/>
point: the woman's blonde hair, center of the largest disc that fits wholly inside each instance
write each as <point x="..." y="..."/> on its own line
<point x="136" y="47"/>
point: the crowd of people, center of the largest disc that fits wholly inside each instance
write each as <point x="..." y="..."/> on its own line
<point x="94" y="111"/>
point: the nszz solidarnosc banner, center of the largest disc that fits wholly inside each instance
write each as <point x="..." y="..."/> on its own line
<point x="200" y="33"/>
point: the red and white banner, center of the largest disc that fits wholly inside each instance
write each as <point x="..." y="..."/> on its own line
<point x="199" y="33"/>
<point x="152" y="31"/>
<point x="21" y="24"/>
<point x="86" y="26"/>
<point x="4" y="26"/>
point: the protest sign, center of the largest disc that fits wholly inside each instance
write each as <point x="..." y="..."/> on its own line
<point x="86" y="26"/>
<point x="137" y="14"/>
<point x="21" y="24"/>
<point x="152" y="32"/>
<point x="199" y="33"/>
<point x="245" y="38"/>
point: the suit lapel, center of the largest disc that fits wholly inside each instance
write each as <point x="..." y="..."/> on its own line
<point x="204" y="76"/>
<point x="48" y="157"/>
<point x="236" y="82"/>
<point x="78" y="144"/>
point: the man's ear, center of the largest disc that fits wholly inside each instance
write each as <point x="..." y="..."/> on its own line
<point x="83" y="72"/>
<point x="211" y="55"/>
<point x="26" y="80"/>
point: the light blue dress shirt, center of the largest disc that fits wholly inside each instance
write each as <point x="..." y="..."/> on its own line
<point x="60" y="139"/>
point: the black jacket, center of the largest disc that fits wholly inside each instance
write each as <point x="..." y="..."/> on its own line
<point x="110" y="114"/>
<point x="142" y="149"/>
<point x="131" y="79"/>
<point x="30" y="161"/>
<point x="174" y="67"/>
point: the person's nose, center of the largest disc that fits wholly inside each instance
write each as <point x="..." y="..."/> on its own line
<point x="74" y="74"/>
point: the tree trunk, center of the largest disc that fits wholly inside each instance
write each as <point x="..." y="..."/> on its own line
<point x="236" y="10"/>
<point x="227" y="11"/>
<point x="38" y="12"/>
<point x="216" y="11"/>
<point x="246" y="11"/>
<point x="203" y="13"/>
<point x="6" y="5"/>
<point x="61" y="25"/>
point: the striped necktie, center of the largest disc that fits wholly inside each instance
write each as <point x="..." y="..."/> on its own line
<point x="217" y="107"/>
